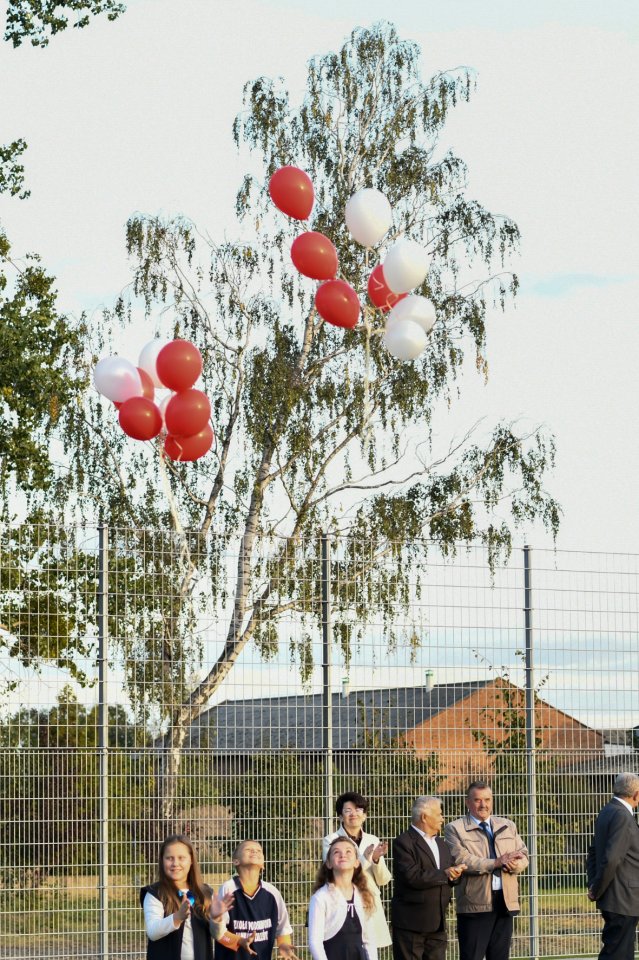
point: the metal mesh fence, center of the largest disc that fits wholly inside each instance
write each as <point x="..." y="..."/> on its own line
<point x="153" y="681"/>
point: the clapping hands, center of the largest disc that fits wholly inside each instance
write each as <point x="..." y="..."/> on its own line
<point x="374" y="853"/>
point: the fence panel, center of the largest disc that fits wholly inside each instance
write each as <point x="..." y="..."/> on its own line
<point x="232" y="712"/>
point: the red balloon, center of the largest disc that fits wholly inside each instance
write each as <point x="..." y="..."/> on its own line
<point x="189" y="448"/>
<point x="140" y="418"/>
<point x="314" y="255"/>
<point x="148" y="390"/>
<point x="379" y="291"/>
<point x="179" y="364"/>
<point x="337" y="303"/>
<point x="187" y="413"/>
<point x="292" y="192"/>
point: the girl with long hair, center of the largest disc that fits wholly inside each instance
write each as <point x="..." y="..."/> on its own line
<point x="341" y="908"/>
<point x="177" y="907"/>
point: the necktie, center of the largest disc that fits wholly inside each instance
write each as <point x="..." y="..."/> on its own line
<point x="483" y="826"/>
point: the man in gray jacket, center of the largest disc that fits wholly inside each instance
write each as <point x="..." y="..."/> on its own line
<point x="613" y="869"/>
<point x="488" y="894"/>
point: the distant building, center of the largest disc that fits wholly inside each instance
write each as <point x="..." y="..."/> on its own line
<point x="455" y="722"/>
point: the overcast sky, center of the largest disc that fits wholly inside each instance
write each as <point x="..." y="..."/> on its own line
<point x="136" y="116"/>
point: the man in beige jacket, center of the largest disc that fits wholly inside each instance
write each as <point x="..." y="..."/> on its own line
<point x="488" y="894"/>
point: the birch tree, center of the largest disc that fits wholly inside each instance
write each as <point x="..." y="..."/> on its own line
<point x="318" y="428"/>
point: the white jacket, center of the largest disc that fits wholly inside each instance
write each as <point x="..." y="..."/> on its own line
<point x="326" y="916"/>
<point x="377" y="875"/>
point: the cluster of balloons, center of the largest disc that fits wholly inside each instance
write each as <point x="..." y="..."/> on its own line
<point x="368" y="217"/>
<point x="182" y="414"/>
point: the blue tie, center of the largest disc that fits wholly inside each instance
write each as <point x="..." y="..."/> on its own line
<point x="483" y="826"/>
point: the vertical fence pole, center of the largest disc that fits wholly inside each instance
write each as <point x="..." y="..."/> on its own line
<point x="103" y="733"/>
<point x="531" y="762"/>
<point x="327" y="685"/>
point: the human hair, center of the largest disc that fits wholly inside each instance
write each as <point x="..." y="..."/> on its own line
<point x="625" y="785"/>
<point x="350" y="797"/>
<point x="478" y="785"/>
<point x="166" y="887"/>
<point x="241" y="845"/>
<point x="325" y="875"/>
<point x="420" y="805"/>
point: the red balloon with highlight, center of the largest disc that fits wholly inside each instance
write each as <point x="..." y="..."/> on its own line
<point x="337" y="303"/>
<point x="292" y="192"/>
<point x="188" y="449"/>
<point x="140" y="418"/>
<point x="380" y="293"/>
<point x="314" y="256"/>
<point x="179" y="364"/>
<point x="187" y="413"/>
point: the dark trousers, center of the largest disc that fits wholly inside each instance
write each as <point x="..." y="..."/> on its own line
<point x="486" y="934"/>
<point x="618" y="936"/>
<point x="409" y="945"/>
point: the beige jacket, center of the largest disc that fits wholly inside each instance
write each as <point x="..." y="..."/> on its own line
<point x="468" y="844"/>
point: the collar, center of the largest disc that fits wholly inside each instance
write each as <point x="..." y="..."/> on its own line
<point x="626" y="805"/>
<point x="479" y="822"/>
<point x="423" y="835"/>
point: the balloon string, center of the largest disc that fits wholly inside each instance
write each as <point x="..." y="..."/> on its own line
<point x="174" y="513"/>
<point x="367" y="363"/>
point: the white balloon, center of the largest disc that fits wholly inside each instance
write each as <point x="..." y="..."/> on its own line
<point x="117" y="379"/>
<point x="405" y="339"/>
<point x="147" y="358"/>
<point x="416" y="308"/>
<point x="406" y="265"/>
<point x="368" y="216"/>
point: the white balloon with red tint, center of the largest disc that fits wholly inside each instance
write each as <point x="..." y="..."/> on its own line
<point x="117" y="379"/>
<point x="147" y="358"/>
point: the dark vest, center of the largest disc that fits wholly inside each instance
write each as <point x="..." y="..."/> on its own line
<point x="170" y="947"/>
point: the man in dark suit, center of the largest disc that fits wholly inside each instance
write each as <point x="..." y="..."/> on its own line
<point x="424" y="874"/>
<point x="613" y="869"/>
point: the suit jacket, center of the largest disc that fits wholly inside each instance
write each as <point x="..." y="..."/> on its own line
<point x="422" y="891"/>
<point x="613" y="861"/>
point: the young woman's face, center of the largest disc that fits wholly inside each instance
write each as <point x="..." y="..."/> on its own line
<point x="177" y="863"/>
<point x="343" y="857"/>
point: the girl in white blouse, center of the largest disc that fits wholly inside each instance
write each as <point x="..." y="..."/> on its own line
<point x="177" y="907"/>
<point x="341" y="908"/>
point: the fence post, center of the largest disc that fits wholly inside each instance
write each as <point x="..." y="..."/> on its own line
<point x="531" y="762"/>
<point x="327" y="685"/>
<point x="103" y="733"/>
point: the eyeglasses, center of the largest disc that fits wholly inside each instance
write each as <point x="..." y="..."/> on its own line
<point x="189" y="896"/>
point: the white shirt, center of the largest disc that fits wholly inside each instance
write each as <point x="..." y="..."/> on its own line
<point x="158" y="926"/>
<point x="432" y="843"/>
<point x="626" y="805"/>
<point x="496" y="877"/>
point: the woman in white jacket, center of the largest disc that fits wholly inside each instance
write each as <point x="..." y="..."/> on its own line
<point x="352" y="808"/>
<point x="339" y="914"/>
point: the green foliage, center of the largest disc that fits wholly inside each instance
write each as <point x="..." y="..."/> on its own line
<point x="38" y="379"/>
<point x="49" y="789"/>
<point x="39" y="20"/>
<point x="12" y="172"/>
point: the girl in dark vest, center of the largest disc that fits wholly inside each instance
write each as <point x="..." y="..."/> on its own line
<point x="177" y="907"/>
<point x="341" y="908"/>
